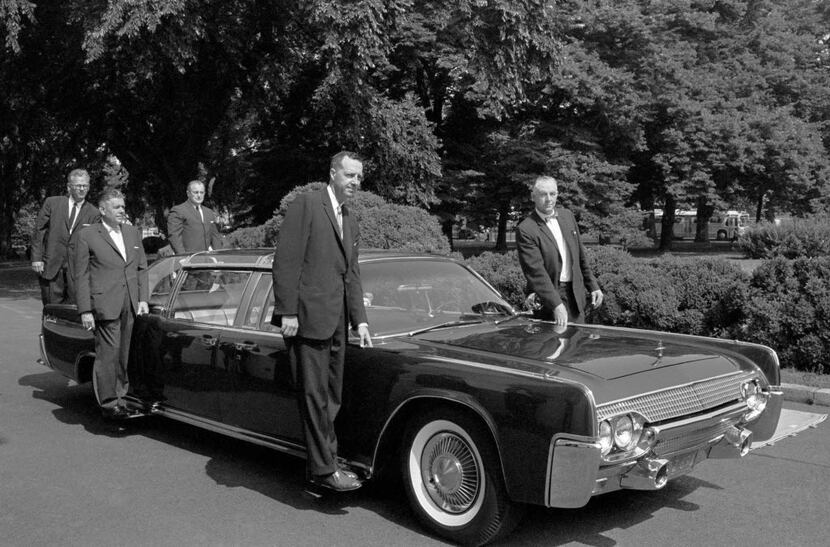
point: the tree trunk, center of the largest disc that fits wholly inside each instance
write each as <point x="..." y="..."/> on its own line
<point x="667" y="230"/>
<point x="759" y="207"/>
<point x="704" y="213"/>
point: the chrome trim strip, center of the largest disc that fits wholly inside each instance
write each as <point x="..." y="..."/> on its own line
<point x="526" y="374"/>
<point x="44" y="359"/>
<point x="267" y="441"/>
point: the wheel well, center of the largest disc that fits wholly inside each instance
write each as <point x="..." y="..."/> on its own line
<point x="386" y="457"/>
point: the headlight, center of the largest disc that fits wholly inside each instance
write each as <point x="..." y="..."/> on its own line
<point x="622" y="434"/>
<point x="606" y="437"/>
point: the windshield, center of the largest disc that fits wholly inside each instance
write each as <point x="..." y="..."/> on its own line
<point x="408" y="295"/>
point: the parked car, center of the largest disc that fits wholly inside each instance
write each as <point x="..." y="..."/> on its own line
<point x="480" y="409"/>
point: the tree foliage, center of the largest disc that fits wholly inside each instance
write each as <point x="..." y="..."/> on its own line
<point x="457" y="104"/>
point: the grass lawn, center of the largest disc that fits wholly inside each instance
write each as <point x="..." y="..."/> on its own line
<point x="811" y="379"/>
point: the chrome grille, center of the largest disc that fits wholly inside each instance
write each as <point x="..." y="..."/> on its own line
<point x="690" y="440"/>
<point x="681" y="400"/>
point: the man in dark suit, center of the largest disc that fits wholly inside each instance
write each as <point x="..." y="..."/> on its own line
<point x="191" y="227"/>
<point x="111" y="289"/>
<point x="553" y="258"/>
<point x="58" y="219"/>
<point x="318" y="294"/>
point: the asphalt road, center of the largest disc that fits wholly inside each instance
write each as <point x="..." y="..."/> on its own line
<point x="66" y="478"/>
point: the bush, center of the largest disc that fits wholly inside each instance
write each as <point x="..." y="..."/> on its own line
<point x="246" y="238"/>
<point x="691" y="296"/>
<point x="798" y="238"/>
<point x="502" y="270"/>
<point x="383" y="225"/>
<point x="789" y="310"/>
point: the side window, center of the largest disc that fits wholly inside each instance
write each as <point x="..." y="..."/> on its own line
<point x="259" y="304"/>
<point x="162" y="278"/>
<point x="210" y="296"/>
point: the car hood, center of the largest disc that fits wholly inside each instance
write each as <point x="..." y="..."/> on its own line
<point x="606" y="353"/>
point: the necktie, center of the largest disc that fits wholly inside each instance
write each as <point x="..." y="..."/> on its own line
<point x="339" y="213"/>
<point x="199" y="210"/>
<point x="72" y="216"/>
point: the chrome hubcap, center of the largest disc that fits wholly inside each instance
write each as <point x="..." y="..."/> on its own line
<point x="450" y="472"/>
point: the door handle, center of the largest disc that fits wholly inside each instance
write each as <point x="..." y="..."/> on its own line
<point x="246" y="346"/>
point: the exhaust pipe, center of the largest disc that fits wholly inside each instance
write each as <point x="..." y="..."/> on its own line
<point x="734" y="444"/>
<point x="648" y="474"/>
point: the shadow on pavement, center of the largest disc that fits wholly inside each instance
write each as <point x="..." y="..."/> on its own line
<point x="231" y="463"/>
<point x="236" y="464"/>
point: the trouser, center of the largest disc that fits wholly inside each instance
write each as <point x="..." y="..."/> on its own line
<point x="57" y="289"/>
<point x="317" y="370"/>
<point x="112" y="351"/>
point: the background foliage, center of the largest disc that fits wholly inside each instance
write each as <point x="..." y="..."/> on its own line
<point x="458" y="104"/>
<point x="809" y="238"/>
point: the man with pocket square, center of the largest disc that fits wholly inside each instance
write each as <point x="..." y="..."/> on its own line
<point x="58" y="219"/>
<point x="553" y="259"/>
<point x="317" y="294"/>
<point x="111" y="289"/>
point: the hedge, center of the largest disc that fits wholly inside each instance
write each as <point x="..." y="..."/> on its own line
<point x="807" y="238"/>
<point x="789" y="310"/>
<point x="785" y="304"/>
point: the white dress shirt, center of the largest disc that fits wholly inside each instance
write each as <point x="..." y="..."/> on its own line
<point x="118" y="238"/>
<point x="553" y="225"/>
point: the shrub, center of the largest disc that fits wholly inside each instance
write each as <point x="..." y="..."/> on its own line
<point x="691" y="296"/>
<point x="383" y="225"/>
<point x="502" y="270"/>
<point x="789" y="310"/>
<point x="246" y="238"/>
<point x="798" y="238"/>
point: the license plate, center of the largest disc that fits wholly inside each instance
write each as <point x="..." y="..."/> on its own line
<point x="682" y="463"/>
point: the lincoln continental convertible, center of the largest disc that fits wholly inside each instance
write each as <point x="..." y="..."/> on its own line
<point x="480" y="410"/>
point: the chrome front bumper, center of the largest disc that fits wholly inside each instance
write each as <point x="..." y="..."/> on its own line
<point x="576" y="471"/>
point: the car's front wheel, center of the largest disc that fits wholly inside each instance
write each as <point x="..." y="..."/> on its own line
<point x="453" y="478"/>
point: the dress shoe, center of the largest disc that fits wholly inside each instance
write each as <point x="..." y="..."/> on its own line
<point x="115" y="413"/>
<point x="337" y="481"/>
<point x="119" y="413"/>
<point x="351" y="474"/>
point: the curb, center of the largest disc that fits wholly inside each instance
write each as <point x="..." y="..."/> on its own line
<point x="805" y="394"/>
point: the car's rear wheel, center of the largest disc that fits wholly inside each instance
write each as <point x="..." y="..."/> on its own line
<point x="453" y="479"/>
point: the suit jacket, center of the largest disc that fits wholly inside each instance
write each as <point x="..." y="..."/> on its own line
<point x="314" y="270"/>
<point x="50" y="238"/>
<point x="103" y="277"/>
<point x="541" y="264"/>
<point x="186" y="231"/>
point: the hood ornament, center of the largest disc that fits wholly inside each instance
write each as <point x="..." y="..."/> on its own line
<point x="660" y="347"/>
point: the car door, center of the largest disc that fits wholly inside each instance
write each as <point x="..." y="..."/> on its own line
<point x="203" y="307"/>
<point x="263" y="399"/>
